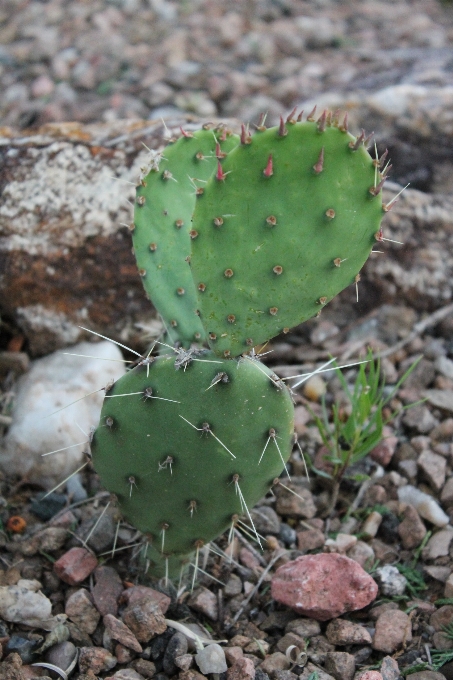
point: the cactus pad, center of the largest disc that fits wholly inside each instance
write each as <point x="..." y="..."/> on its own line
<point x="162" y="224"/>
<point x="195" y="441"/>
<point x="285" y="224"/>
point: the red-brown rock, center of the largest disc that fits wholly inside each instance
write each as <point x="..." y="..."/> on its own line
<point x="121" y="633"/>
<point x="141" y="593"/>
<point x="75" y="565"/>
<point x="107" y="590"/>
<point x="323" y="586"/>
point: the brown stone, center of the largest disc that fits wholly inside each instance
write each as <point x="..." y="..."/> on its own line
<point x="411" y="530"/>
<point x="81" y="610"/>
<point x="96" y="659"/>
<point x="342" y="632"/>
<point x="310" y="539"/>
<point x="341" y="665"/>
<point x="120" y="632"/>
<point x="242" y="669"/>
<point x="290" y="505"/>
<point x="205" y="602"/>
<point x="393" y="630"/>
<point x="75" y="565"/>
<point x="442" y="617"/>
<point x="142" y="593"/>
<point x="107" y="590"/>
<point x="275" y="662"/>
<point x="145" y="620"/>
<point x="144" y="667"/>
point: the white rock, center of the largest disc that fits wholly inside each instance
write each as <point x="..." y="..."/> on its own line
<point x="425" y="505"/>
<point x="211" y="659"/>
<point x="24" y="603"/>
<point x="52" y="383"/>
<point x="391" y="582"/>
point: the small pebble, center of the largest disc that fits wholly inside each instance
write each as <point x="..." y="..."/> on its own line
<point x="211" y="659"/>
<point x="425" y="505"/>
<point x="205" y="602"/>
<point x="391" y="582"/>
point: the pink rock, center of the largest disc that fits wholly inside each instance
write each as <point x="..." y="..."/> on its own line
<point x="75" y="565"/>
<point x="107" y="590"/>
<point x="383" y="452"/>
<point x="371" y="675"/>
<point x="141" y="593"/>
<point x="323" y="586"/>
<point x="242" y="669"/>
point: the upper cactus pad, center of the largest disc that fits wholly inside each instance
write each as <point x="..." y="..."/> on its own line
<point x="284" y="225"/>
<point x="162" y="225"/>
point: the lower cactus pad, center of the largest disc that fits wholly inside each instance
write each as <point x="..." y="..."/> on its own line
<point x="188" y="443"/>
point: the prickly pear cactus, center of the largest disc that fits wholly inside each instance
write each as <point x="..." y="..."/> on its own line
<point x="285" y="224"/>
<point x="187" y="444"/>
<point x="162" y="226"/>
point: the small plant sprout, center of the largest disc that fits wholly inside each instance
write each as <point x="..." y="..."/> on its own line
<point x="350" y="438"/>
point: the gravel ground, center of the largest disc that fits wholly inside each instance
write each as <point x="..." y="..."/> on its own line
<point x="65" y="61"/>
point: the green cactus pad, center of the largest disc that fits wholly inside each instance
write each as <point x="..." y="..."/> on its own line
<point x="286" y="225"/>
<point x="162" y="224"/>
<point x="187" y="441"/>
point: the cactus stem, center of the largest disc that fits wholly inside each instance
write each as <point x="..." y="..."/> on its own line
<point x="131" y="481"/>
<point x="290" y="118"/>
<point x="269" y="169"/>
<point x="319" y="165"/>
<point x="282" y="131"/>
<point x="311" y="116"/>
<point x="244" y="507"/>
<point x="207" y="428"/>
<point x="322" y="121"/>
<point x="168" y="462"/>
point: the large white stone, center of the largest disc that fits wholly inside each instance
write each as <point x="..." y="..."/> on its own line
<point x="52" y="383"/>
